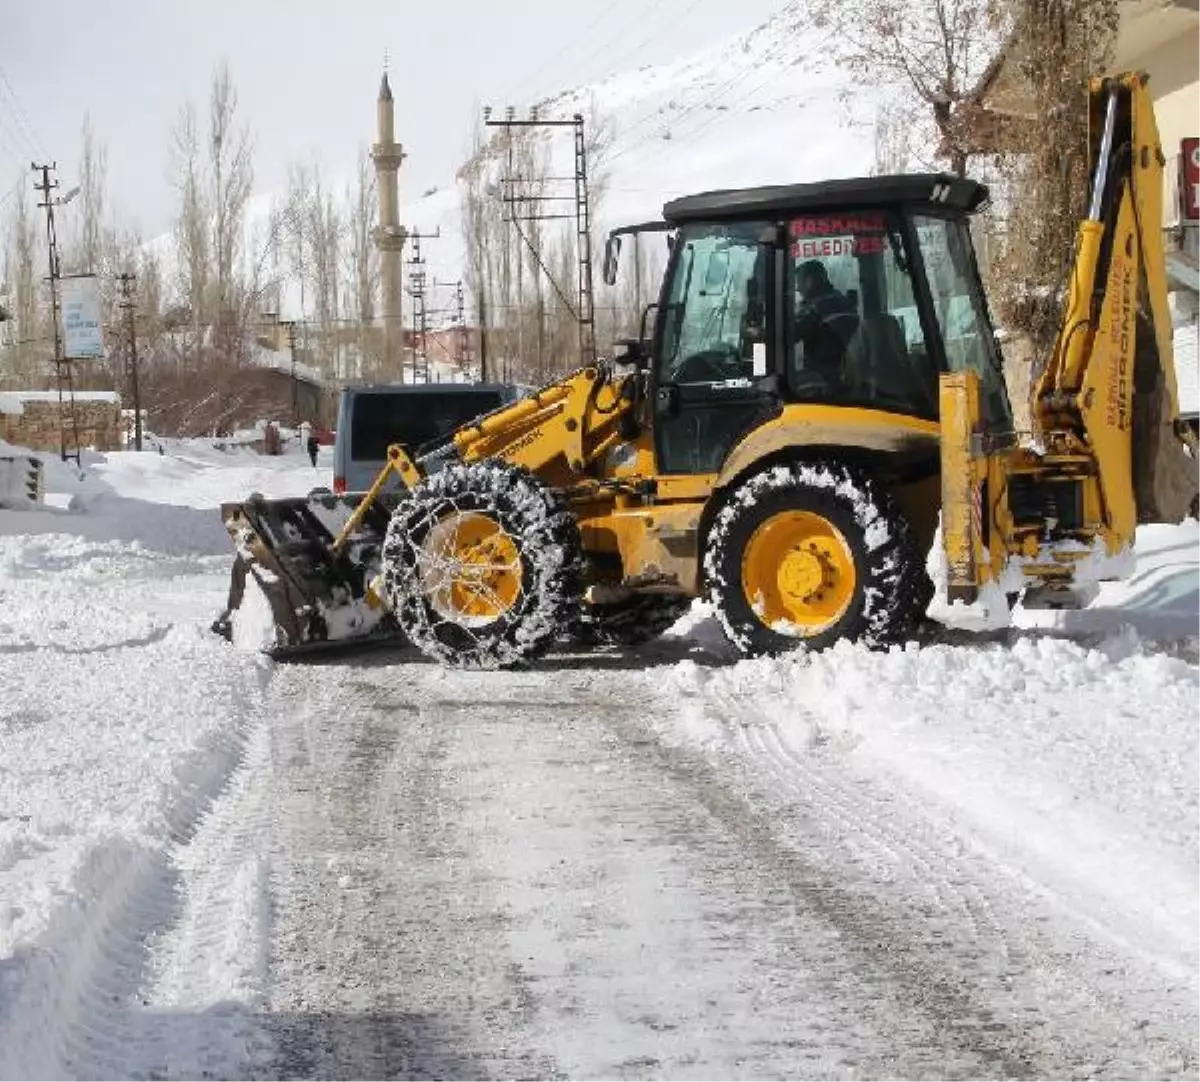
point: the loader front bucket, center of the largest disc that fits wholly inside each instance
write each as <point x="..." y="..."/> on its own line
<point x="317" y="597"/>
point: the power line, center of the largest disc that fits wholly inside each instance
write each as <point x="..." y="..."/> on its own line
<point x="12" y="191"/>
<point x="708" y="122"/>
<point x="22" y="116"/>
<point x="704" y="96"/>
<point x="18" y="147"/>
<point x="772" y="54"/>
<point x="541" y="77"/>
<point x="656" y="34"/>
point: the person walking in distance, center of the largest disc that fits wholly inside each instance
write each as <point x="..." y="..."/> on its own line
<point x="312" y="448"/>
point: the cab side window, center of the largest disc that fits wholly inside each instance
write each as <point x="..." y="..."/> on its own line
<point x="854" y="334"/>
<point x="716" y="308"/>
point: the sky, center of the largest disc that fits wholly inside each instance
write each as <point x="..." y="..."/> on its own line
<point x="307" y="74"/>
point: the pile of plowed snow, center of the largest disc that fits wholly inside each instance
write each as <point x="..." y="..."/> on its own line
<point x="1067" y="744"/>
<point x="120" y="714"/>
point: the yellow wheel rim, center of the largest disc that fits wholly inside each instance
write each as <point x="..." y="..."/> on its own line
<point x="798" y="573"/>
<point x="470" y="569"/>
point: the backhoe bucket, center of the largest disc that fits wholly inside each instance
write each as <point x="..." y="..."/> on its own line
<point x="1166" y="475"/>
<point x="317" y="597"/>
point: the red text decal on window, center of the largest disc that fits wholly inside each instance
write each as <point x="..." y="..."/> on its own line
<point x="870" y="221"/>
<point x="828" y="247"/>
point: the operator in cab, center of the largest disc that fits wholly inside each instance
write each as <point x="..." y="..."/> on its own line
<point x="826" y="320"/>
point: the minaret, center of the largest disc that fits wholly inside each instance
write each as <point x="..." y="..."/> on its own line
<point x="389" y="234"/>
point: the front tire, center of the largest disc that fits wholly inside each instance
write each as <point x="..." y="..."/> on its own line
<point x="483" y="565"/>
<point x="805" y="554"/>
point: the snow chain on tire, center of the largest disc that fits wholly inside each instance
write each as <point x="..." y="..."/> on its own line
<point x="546" y="562"/>
<point x="891" y="589"/>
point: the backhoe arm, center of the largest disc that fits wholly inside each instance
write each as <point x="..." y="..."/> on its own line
<point x="1109" y="385"/>
<point x="559" y="431"/>
<point x="1110" y="447"/>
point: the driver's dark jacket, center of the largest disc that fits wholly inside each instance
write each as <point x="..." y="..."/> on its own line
<point x="825" y="323"/>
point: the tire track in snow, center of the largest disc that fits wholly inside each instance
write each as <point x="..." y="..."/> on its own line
<point x="910" y="975"/>
<point x="384" y="961"/>
<point x="156" y="634"/>
<point x="1035" y="972"/>
<point x="902" y="852"/>
<point x="205" y="985"/>
<point x="69" y="1003"/>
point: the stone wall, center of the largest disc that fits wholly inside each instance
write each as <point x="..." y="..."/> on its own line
<point x="39" y="425"/>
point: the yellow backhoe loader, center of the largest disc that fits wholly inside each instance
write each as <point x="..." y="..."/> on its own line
<point x="818" y="382"/>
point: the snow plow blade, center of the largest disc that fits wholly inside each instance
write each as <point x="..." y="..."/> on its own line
<point x="319" y="598"/>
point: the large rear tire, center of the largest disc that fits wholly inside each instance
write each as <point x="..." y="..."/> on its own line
<point x="806" y="554"/>
<point x="483" y="566"/>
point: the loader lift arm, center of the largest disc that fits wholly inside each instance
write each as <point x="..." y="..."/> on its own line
<point x="1109" y="447"/>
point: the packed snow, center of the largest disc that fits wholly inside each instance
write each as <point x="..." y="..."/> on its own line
<point x="120" y="720"/>
<point x="135" y="758"/>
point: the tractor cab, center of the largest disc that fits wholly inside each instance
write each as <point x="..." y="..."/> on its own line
<point x="855" y="294"/>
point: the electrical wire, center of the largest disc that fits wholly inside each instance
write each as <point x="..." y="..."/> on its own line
<point x="22" y="116"/>
<point x="12" y="191"/>
<point x="525" y="84"/>
<point x="17" y="147"/>
<point x="708" y="97"/>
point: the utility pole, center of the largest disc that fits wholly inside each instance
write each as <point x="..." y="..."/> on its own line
<point x="519" y="210"/>
<point x="127" y="281"/>
<point x="457" y="313"/>
<point x="62" y="366"/>
<point x="464" y="335"/>
<point x="290" y="324"/>
<point x="417" y="289"/>
<point x="483" y="337"/>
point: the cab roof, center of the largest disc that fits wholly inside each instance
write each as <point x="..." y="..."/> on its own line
<point x="934" y="190"/>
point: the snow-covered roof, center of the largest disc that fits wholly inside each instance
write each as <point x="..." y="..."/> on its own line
<point x="281" y="361"/>
<point x="52" y="396"/>
<point x="11" y="404"/>
<point x="1187" y="370"/>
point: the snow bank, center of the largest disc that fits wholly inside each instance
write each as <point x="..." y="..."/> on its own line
<point x="165" y="502"/>
<point x="1076" y="762"/>
<point x="121" y="719"/>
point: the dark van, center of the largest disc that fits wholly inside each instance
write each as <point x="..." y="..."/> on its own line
<point x="370" y="418"/>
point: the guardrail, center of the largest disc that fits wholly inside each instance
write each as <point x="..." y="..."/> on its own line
<point x="21" y="482"/>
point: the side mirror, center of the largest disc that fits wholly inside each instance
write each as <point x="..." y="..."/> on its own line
<point x="612" y="254"/>
<point x="629" y="351"/>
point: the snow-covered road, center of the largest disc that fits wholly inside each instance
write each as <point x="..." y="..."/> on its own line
<point x="974" y="859"/>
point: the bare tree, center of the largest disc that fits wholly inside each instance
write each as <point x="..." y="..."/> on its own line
<point x="1055" y="47"/>
<point x="934" y="50"/>
<point x="90" y="239"/>
<point x="324" y="227"/>
<point x="232" y="177"/>
<point x="191" y="224"/>
<point x="895" y="122"/>
<point x="27" y="347"/>
<point x="362" y="256"/>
